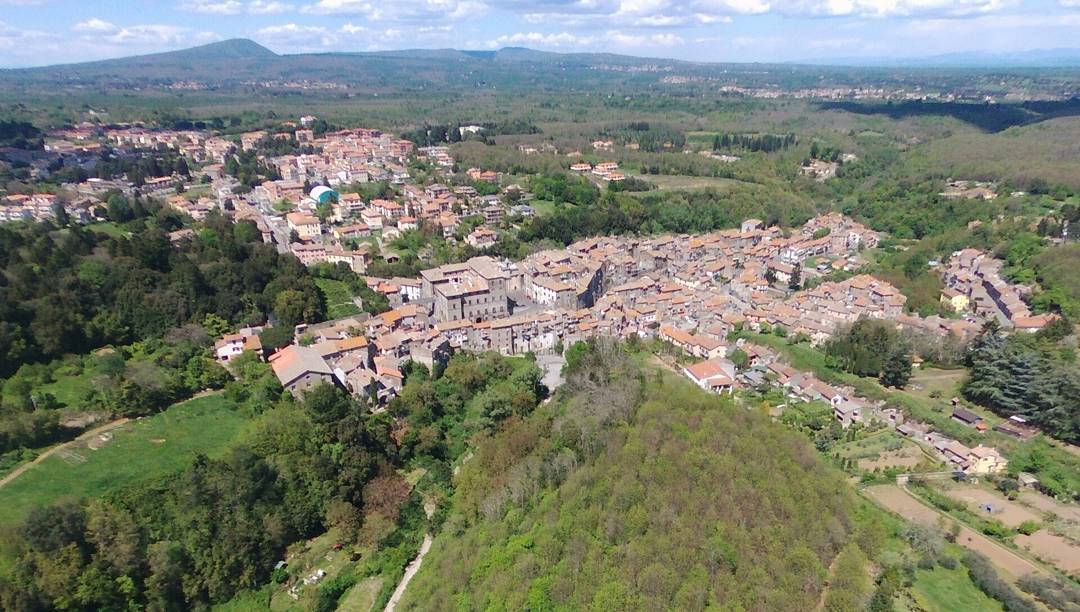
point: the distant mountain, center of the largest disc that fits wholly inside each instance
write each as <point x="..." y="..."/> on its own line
<point x="192" y="63"/>
<point x="236" y="62"/>
<point x="242" y="64"/>
<point x="232" y="49"/>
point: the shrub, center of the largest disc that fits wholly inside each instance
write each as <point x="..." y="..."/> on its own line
<point x="996" y="529"/>
<point x="1008" y="485"/>
<point x="332" y="590"/>
<point x="1028" y="527"/>
<point x="1051" y="590"/>
<point x="987" y="579"/>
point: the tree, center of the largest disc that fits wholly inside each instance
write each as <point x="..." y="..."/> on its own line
<point x="61" y="214"/>
<point x="293" y="307"/>
<point x="739" y="358"/>
<point x="215" y="325"/>
<point x="49" y="528"/>
<point x="896" y="371"/>
<point x="795" y="283"/>
<point x="276" y="337"/>
<point x="119" y="209"/>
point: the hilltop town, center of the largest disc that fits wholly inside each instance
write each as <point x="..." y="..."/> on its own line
<point x="709" y="284"/>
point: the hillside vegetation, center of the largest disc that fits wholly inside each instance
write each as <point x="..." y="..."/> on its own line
<point x="1047" y="150"/>
<point x="637" y="491"/>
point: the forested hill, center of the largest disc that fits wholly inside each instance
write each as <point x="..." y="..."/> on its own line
<point x="638" y="492"/>
<point x="243" y="64"/>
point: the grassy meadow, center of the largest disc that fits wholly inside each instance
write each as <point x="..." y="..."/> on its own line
<point x="139" y="451"/>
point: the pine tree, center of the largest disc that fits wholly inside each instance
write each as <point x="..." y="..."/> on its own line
<point x="896" y="371"/>
<point x="796" y="278"/>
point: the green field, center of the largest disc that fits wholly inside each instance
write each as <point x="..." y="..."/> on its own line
<point x="948" y="590"/>
<point x="545" y="208"/>
<point x="69" y="388"/>
<point x="338" y="298"/>
<point x="109" y="228"/>
<point x="139" y="451"/>
<point x="676" y="182"/>
<point x="946" y="383"/>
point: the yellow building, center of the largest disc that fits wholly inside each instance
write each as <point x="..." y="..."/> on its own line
<point x="955" y="300"/>
<point x="985" y="460"/>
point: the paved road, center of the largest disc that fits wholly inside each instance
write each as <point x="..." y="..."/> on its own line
<point x="43" y="456"/>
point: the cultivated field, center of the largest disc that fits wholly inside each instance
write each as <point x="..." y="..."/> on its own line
<point x="1053" y="549"/>
<point x="1067" y="512"/>
<point x="895" y="499"/>
<point x="1010" y="513"/>
<point x="907" y="457"/>
<point x="136" y="452"/>
<point x="882" y="451"/>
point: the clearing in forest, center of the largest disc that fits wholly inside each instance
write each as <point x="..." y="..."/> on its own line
<point x="134" y="454"/>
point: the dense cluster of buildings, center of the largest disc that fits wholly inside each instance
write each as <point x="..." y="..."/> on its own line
<point x="691" y="291"/>
<point x="688" y="290"/>
<point x="973" y="283"/>
<point x="45" y="206"/>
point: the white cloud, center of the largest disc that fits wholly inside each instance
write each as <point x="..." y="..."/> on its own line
<point x="340" y="7"/>
<point x="689" y="13"/>
<point x="92" y="39"/>
<point x="291" y="28"/>
<point x="226" y="7"/>
<point x="94" y="25"/>
<point x="563" y="40"/>
<point x="149" y="36"/>
<point x="299" y="37"/>
<point x="235" y="7"/>
<point x="268" y="7"/>
<point x="560" y="39"/>
<point x="893" y="8"/>
<point x="349" y="28"/>
<point x="412" y="11"/>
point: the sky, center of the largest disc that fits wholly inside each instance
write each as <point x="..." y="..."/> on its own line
<point x="41" y="32"/>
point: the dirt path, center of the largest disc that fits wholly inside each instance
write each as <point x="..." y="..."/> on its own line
<point x="414" y="565"/>
<point x="410" y="571"/>
<point x="908" y="506"/>
<point x="828" y="581"/>
<point x="86" y="435"/>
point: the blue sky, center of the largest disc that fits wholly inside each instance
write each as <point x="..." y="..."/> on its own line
<point x="37" y="32"/>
